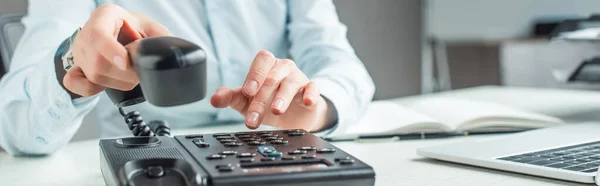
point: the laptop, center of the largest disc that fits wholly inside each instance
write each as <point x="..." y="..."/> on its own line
<point x="568" y="152"/>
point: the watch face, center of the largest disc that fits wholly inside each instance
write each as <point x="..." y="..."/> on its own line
<point x="68" y="63"/>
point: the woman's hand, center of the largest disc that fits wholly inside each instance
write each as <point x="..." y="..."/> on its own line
<point x="278" y="94"/>
<point x="101" y="60"/>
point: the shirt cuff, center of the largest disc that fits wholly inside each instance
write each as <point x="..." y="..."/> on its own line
<point x="52" y="101"/>
<point x="341" y="102"/>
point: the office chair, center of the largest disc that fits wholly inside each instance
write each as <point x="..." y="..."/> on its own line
<point x="11" y="30"/>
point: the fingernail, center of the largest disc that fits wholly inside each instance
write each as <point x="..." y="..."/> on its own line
<point x="251" y="87"/>
<point x="311" y="100"/>
<point x="253" y="119"/>
<point x="278" y="104"/>
<point x="310" y="97"/>
<point x="119" y="62"/>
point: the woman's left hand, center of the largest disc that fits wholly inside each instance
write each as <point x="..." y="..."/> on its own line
<point x="278" y="94"/>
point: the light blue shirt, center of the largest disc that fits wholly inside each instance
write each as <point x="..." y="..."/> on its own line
<point x="38" y="116"/>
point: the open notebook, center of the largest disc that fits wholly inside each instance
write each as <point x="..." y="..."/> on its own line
<point x="444" y="115"/>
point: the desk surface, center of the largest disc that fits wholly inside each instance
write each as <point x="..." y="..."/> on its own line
<point x="395" y="163"/>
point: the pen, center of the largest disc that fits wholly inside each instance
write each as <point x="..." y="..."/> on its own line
<point x="412" y="136"/>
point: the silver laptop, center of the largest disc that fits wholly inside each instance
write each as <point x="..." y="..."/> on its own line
<point x="569" y="152"/>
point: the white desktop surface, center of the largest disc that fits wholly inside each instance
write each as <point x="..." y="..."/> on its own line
<point x="395" y="163"/>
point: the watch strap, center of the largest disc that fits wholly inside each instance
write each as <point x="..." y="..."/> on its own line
<point x="60" y="66"/>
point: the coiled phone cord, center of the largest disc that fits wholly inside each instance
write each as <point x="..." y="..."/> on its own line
<point x="138" y="127"/>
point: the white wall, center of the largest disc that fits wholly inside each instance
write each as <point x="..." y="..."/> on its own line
<point x="497" y="19"/>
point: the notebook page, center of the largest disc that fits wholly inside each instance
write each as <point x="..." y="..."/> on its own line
<point x="456" y="112"/>
<point x="385" y="117"/>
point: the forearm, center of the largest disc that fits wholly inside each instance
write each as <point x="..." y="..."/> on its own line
<point x="38" y="116"/>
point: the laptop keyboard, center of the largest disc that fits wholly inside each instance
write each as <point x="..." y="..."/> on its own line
<point x="580" y="158"/>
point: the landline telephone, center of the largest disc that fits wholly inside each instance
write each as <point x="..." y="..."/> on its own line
<point x="172" y="71"/>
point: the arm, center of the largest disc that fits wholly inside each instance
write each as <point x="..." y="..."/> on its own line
<point x="323" y="53"/>
<point x="38" y="115"/>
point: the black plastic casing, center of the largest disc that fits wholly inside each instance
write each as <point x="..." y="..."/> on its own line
<point x="126" y="98"/>
<point x="114" y="160"/>
<point x="121" y="164"/>
<point x="172" y="71"/>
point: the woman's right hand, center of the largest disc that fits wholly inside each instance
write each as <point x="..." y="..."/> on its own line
<point x="101" y="61"/>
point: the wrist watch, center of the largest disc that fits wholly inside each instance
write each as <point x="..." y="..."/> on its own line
<point x="65" y="52"/>
<point x="63" y="61"/>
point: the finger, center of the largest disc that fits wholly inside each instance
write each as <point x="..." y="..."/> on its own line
<point x="221" y="98"/>
<point x="149" y="27"/>
<point x="92" y="75"/>
<point x="262" y="64"/>
<point x="264" y="98"/>
<point x="76" y="82"/>
<point x="102" y="30"/>
<point x="289" y="88"/>
<point x="311" y="91"/>
<point x="110" y="82"/>
<point x="97" y="64"/>
<point x="257" y="109"/>
<point x="225" y="97"/>
<point x="128" y="34"/>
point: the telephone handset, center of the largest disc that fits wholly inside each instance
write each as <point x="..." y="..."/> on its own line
<point x="171" y="70"/>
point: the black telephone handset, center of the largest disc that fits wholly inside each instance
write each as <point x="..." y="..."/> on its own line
<point x="171" y="70"/>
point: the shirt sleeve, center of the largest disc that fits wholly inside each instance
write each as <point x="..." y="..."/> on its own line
<point x="321" y="50"/>
<point x="38" y="115"/>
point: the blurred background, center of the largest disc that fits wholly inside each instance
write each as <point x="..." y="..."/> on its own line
<point x="413" y="47"/>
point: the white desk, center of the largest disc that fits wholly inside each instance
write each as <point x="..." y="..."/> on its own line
<point x="395" y="163"/>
